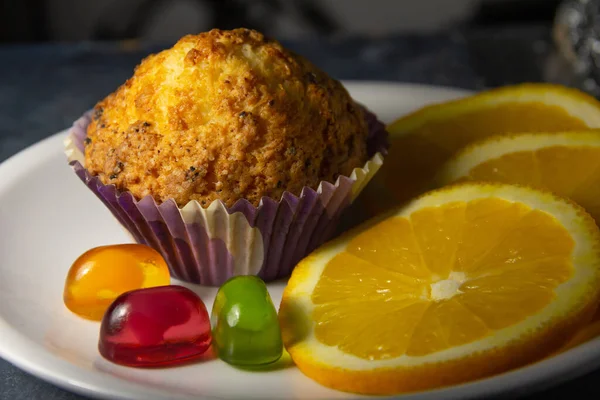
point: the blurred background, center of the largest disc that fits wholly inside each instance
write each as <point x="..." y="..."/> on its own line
<point x="166" y="20"/>
<point x="61" y="56"/>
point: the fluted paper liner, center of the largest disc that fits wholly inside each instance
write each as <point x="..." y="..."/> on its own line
<point x="210" y="245"/>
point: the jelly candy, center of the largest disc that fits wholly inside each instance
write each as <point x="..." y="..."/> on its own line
<point x="245" y="326"/>
<point x="158" y="326"/>
<point x="101" y="274"/>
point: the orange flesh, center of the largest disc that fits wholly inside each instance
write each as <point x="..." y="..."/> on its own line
<point x="572" y="172"/>
<point x="101" y="274"/>
<point x="444" y="277"/>
<point x="414" y="157"/>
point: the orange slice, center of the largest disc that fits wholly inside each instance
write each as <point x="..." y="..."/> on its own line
<point x="422" y="141"/>
<point x="460" y="284"/>
<point x="566" y="163"/>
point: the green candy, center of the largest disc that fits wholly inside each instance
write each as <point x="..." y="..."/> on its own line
<point x="244" y="323"/>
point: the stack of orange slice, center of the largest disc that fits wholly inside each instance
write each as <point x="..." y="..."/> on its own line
<point x="469" y="280"/>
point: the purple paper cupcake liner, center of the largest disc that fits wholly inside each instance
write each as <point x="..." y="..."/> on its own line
<point x="210" y="245"/>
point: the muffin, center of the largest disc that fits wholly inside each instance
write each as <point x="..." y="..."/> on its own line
<point x="228" y="154"/>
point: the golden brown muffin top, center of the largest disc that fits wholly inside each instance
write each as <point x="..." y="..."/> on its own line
<point x="225" y="115"/>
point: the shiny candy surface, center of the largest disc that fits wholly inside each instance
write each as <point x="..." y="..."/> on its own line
<point x="158" y="326"/>
<point x="245" y="326"/>
<point x="101" y="274"/>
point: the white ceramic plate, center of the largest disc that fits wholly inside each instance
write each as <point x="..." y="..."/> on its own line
<point x="48" y="218"/>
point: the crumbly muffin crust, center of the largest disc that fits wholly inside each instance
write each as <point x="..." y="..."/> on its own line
<point x="225" y="115"/>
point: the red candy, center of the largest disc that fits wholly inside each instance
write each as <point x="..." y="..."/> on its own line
<point x="158" y="326"/>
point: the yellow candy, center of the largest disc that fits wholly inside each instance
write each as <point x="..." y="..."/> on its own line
<point x="103" y="273"/>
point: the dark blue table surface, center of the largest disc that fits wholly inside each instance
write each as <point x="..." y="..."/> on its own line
<point x="43" y="88"/>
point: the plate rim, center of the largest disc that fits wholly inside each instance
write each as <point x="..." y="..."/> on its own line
<point x="20" y="351"/>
